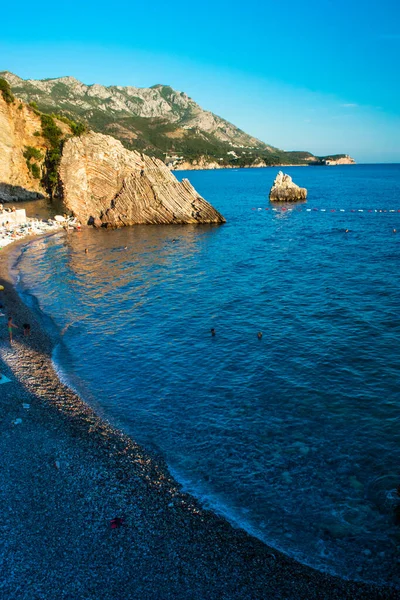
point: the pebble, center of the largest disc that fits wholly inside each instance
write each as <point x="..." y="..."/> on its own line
<point x="13" y="232"/>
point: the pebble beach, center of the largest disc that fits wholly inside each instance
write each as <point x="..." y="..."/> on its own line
<point x="66" y="474"/>
<point x="12" y="232"/>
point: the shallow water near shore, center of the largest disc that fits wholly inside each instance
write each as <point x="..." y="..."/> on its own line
<point x="294" y="436"/>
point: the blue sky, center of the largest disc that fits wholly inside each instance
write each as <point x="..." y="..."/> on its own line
<point x="319" y="75"/>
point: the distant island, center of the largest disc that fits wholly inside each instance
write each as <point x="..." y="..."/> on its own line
<point x="158" y="121"/>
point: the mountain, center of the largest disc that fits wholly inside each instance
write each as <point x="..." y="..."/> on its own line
<point x="159" y="121"/>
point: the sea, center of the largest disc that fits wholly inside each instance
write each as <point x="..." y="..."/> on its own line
<point x="293" y="436"/>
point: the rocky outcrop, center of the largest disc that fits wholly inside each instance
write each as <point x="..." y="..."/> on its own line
<point x="284" y="190"/>
<point x="106" y="185"/>
<point x="341" y="160"/>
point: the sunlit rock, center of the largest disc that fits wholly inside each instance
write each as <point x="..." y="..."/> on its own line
<point x="284" y="190"/>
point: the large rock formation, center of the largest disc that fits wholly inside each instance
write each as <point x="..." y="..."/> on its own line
<point x="284" y="190"/>
<point x="105" y="184"/>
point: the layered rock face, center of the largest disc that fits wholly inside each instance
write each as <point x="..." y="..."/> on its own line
<point x="106" y="185"/>
<point x="284" y="190"/>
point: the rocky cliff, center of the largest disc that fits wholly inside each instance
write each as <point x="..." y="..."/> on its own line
<point x="106" y="185"/>
<point x="23" y="151"/>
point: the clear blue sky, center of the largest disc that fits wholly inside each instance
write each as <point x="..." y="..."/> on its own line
<point x="316" y="75"/>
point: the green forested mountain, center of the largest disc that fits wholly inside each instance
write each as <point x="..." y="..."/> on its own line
<point x="158" y="121"/>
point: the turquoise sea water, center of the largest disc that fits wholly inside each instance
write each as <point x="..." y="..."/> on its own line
<point x="294" y="436"/>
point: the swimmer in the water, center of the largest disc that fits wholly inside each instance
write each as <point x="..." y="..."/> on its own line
<point x="347" y="231"/>
<point x="212" y="331"/>
<point x="259" y="335"/>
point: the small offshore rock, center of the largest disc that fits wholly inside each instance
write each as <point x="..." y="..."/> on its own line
<point x="284" y="190"/>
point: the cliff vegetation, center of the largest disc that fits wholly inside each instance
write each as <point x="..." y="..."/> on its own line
<point x="30" y="147"/>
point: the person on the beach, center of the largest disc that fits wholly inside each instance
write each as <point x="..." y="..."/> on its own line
<point x="212" y="331"/>
<point x="27" y="329"/>
<point x="11" y="326"/>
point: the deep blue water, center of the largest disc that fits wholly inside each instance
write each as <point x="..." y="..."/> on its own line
<point x="295" y="436"/>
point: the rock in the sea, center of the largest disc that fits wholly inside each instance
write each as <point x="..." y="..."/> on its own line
<point x="284" y="190"/>
<point x="102" y="182"/>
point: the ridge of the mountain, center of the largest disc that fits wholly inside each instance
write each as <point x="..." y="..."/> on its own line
<point x="157" y="120"/>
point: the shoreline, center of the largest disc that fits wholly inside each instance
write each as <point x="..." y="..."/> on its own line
<point x="67" y="473"/>
<point x="237" y="167"/>
<point x="31" y="228"/>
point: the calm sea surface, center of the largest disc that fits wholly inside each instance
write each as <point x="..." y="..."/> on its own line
<point x="296" y="437"/>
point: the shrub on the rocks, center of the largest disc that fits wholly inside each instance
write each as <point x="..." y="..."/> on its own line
<point x="31" y="152"/>
<point x="6" y="91"/>
<point x="34" y="169"/>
